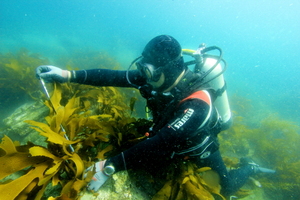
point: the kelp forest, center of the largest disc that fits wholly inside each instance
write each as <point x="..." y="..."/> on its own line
<point x="47" y="145"/>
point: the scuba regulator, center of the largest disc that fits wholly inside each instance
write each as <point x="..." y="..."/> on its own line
<point x="200" y="56"/>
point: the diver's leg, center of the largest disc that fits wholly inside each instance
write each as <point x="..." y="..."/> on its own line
<point x="230" y="181"/>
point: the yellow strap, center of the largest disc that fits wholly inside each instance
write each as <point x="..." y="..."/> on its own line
<point x="188" y="52"/>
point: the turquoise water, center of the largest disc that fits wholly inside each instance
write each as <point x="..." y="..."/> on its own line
<point x="260" y="39"/>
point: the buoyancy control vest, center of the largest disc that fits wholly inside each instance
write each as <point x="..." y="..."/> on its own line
<point x="163" y="105"/>
<point x="207" y="75"/>
<point x="204" y="143"/>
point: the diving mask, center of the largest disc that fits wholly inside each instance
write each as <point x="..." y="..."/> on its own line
<point x="151" y="72"/>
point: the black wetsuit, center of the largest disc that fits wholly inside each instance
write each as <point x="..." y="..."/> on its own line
<point x="177" y="132"/>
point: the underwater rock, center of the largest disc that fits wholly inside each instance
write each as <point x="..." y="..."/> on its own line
<point x="17" y="129"/>
<point x="136" y="185"/>
<point x="121" y="187"/>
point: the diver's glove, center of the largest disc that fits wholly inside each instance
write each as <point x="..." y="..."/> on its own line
<point x="255" y="167"/>
<point x="101" y="175"/>
<point x="53" y="74"/>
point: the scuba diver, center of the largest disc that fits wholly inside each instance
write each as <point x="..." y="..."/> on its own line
<point x="189" y="109"/>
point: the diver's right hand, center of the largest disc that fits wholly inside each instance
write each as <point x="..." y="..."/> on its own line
<point x="52" y="74"/>
<point x="99" y="178"/>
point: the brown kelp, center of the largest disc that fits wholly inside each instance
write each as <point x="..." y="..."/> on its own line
<point x="99" y="123"/>
<point x="108" y="129"/>
<point x="88" y="133"/>
<point x="191" y="183"/>
<point x="17" y="74"/>
<point x="272" y="144"/>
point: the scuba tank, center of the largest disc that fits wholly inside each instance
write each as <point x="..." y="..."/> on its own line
<point x="211" y="72"/>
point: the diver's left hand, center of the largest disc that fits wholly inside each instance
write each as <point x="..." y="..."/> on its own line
<point x="52" y="74"/>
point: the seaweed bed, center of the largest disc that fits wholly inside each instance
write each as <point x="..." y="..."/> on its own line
<point x="38" y="162"/>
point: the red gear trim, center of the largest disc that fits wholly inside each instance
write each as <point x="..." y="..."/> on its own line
<point x="199" y="95"/>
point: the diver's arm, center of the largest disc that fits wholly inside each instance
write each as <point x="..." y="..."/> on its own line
<point x="96" y="77"/>
<point x="170" y="138"/>
<point x="106" y="77"/>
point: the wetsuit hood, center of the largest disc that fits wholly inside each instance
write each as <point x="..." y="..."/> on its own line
<point x="163" y="54"/>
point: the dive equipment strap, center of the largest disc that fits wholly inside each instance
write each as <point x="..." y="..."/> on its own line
<point x="219" y="92"/>
<point x="207" y="147"/>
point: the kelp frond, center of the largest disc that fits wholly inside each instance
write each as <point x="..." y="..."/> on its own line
<point x="16" y="73"/>
<point x="90" y="136"/>
<point x="273" y="144"/>
<point x="193" y="183"/>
